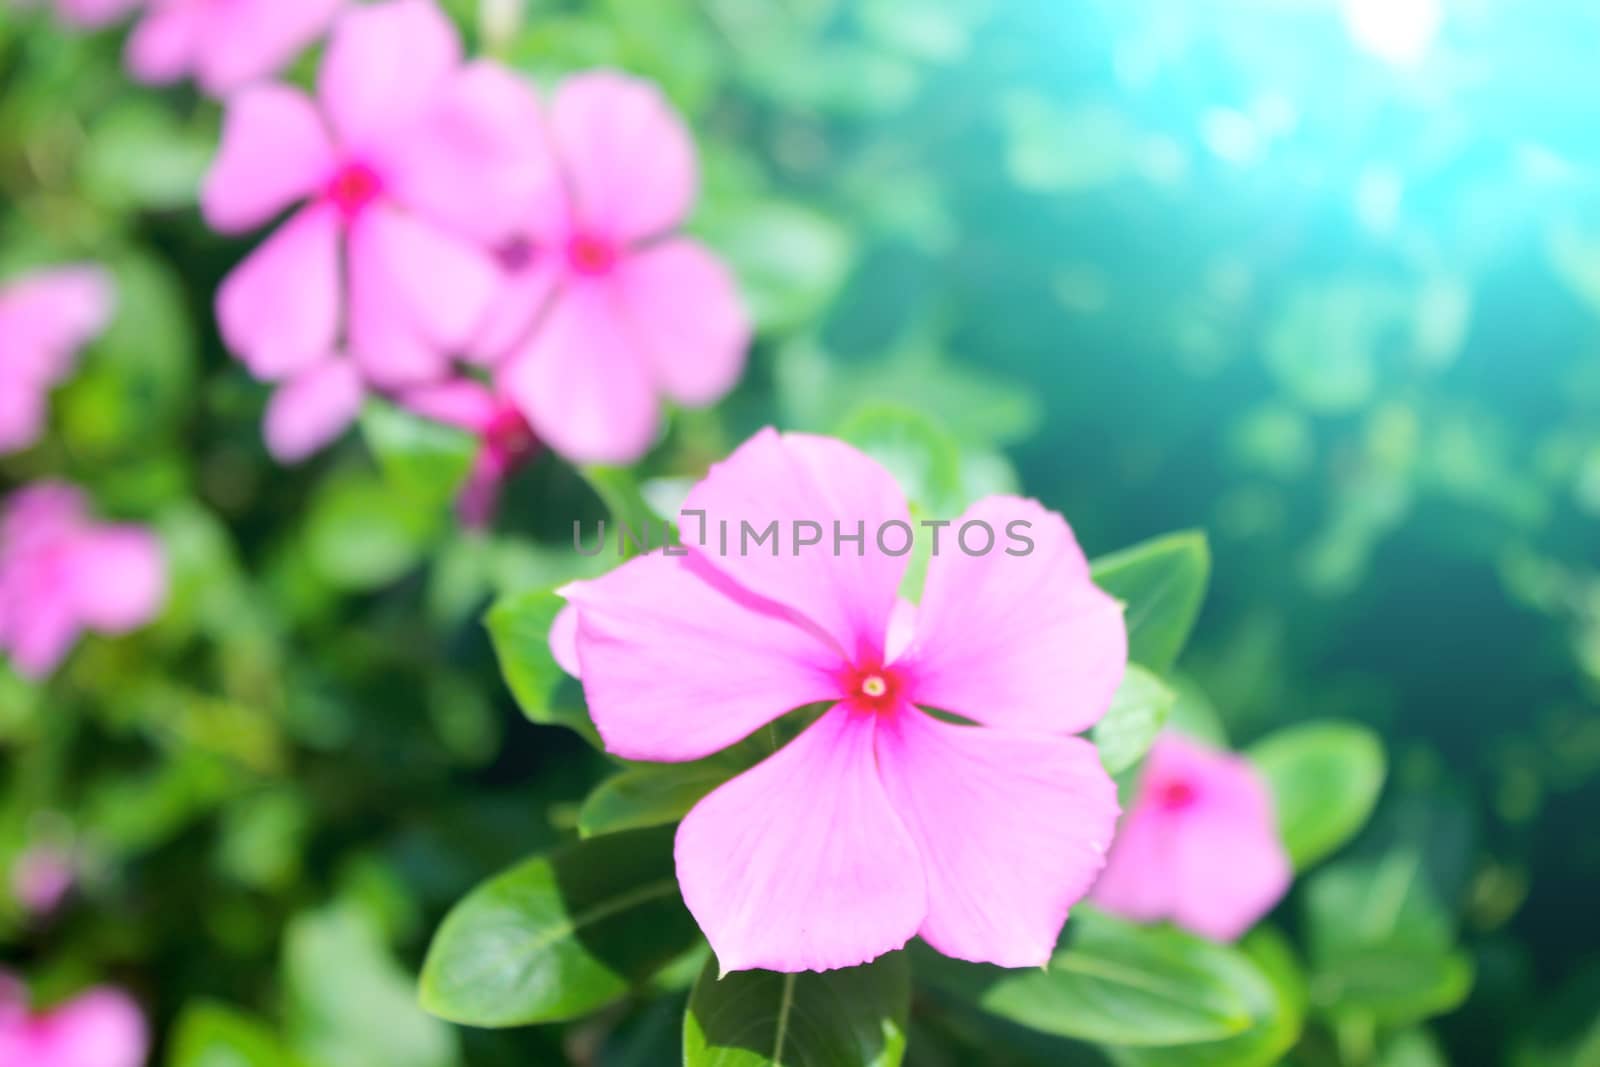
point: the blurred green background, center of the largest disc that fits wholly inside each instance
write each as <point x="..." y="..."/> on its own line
<point x="1294" y="271"/>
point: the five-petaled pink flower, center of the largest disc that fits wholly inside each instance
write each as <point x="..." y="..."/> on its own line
<point x="606" y="309"/>
<point x="880" y="820"/>
<point x="101" y="1027"/>
<point x="44" y="319"/>
<point x="224" y="44"/>
<point x="505" y="440"/>
<point x="62" y="573"/>
<point x="405" y="184"/>
<point x="1199" y="847"/>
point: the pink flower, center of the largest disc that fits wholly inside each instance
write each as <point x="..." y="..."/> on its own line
<point x="505" y="441"/>
<point x="102" y="1027"/>
<point x="44" y="319"/>
<point x="41" y="877"/>
<point x="225" y="44"/>
<point x="879" y="821"/>
<point x="607" y="309"/>
<point x="61" y="573"/>
<point x="1200" y="846"/>
<point x="406" y="173"/>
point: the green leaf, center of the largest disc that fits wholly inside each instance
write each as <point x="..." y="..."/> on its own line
<point x="619" y="491"/>
<point x="351" y="1004"/>
<point x="854" y="1017"/>
<point x="1380" y="928"/>
<point x="210" y="1034"/>
<point x="1115" y="983"/>
<point x="360" y="535"/>
<point x="1325" y="779"/>
<point x="790" y="260"/>
<point x="1138" y="711"/>
<point x="650" y="795"/>
<point x="925" y="460"/>
<point x="559" y="935"/>
<point x="519" y="628"/>
<point x="1275" y="997"/>
<point x="1163" y="584"/>
<point x="424" y="459"/>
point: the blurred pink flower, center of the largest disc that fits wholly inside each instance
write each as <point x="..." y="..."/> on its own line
<point x="224" y="44"/>
<point x="101" y="1027"/>
<point x="605" y="308"/>
<point x="407" y="165"/>
<point x="1199" y="847"/>
<point x="505" y="441"/>
<point x="44" y="319"/>
<point x="62" y="573"/>
<point x="40" y="877"/>
<point x="879" y="821"/>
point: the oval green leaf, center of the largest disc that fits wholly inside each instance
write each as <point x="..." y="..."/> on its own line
<point x="519" y="628"/>
<point x="1138" y="712"/>
<point x="1325" y="779"/>
<point x="650" y="795"/>
<point x="559" y="935"/>
<point x="847" y="1018"/>
<point x="1163" y="584"/>
<point x="1115" y="983"/>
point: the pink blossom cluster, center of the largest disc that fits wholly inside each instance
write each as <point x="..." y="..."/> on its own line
<point x="101" y="1027"/>
<point x="461" y="247"/>
<point x="62" y="573"/>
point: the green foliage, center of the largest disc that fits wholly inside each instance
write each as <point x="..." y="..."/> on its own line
<point x="1138" y="712"/>
<point x="759" y="1019"/>
<point x="560" y="935"/>
<point x="1325" y="778"/>
<point x="520" y="628"/>
<point x="1162" y="584"/>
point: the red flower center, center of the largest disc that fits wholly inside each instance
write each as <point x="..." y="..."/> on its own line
<point x="510" y="436"/>
<point x="591" y="255"/>
<point x="354" y="187"/>
<point x="872" y="688"/>
<point x="1175" y="796"/>
<point x="515" y="255"/>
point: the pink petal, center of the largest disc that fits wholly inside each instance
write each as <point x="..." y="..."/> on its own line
<point x="466" y="404"/>
<point x="274" y="151"/>
<point x="279" y="309"/>
<point x="480" y="158"/>
<point x="689" y="317"/>
<point x="522" y="296"/>
<point x="677" y="665"/>
<point x="1012" y="829"/>
<point x="47" y="316"/>
<point x="162" y="47"/>
<point x="564" y="640"/>
<point x="247" y="40"/>
<point x="581" y="381"/>
<point x="384" y="68"/>
<point x="41" y="634"/>
<point x="799" y="478"/>
<point x="800" y="864"/>
<point x="628" y="157"/>
<point x="22" y="415"/>
<point x="447" y="283"/>
<point x="119" y="578"/>
<point x="1026" y="642"/>
<point x="313" y="409"/>
<point x="100" y="1028"/>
